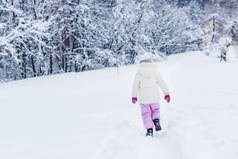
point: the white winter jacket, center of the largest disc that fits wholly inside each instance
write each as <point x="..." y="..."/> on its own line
<point x="147" y="83"/>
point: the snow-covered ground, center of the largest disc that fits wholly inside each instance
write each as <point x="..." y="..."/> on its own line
<point x="89" y="115"/>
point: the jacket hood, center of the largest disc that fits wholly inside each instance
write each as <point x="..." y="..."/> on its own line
<point x="147" y="70"/>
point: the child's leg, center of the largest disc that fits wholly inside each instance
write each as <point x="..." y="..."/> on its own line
<point x="146" y="115"/>
<point x="155" y="115"/>
<point x="155" y="108"/>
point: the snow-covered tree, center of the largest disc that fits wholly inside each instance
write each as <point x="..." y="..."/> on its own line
<point x="154" y="26"/>
<point x="53" y="36"/>
<point x="20" y="42"/>
<point x="169" y="30"/>
<point x="219" y="21"/>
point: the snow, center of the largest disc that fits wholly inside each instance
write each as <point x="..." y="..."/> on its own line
<point x="233" y="52"/>
<point x="89" y="115"/>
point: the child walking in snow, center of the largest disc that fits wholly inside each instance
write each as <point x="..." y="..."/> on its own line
<point x="146" y="86"/>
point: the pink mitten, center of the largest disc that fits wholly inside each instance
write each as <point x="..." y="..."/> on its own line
<point x="134" y="100"/>
<point x="167" y="98"/>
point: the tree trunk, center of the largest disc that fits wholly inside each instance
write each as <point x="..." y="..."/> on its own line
<point x="24" y="66"/>
<point x="75" y="67"/>
<point x="51" y="64"/>
<point x="213" y="29"/>
<point x="33" y="66"/>
<point x="39" y="70"/>
<point x="39" y="57"/>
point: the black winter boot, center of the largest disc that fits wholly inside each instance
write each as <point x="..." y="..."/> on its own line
<point x="157" y="125"/>
<point x="149" y="132"/>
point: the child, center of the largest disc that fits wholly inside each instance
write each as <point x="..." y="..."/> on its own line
<point x="146" y="86"/>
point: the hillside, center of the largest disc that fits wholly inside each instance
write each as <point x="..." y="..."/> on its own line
<point x="89" y="115"/>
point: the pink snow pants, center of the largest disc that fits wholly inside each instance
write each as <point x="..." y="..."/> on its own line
<point x="149" y="112"/>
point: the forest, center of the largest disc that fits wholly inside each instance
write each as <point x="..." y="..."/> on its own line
<point x="45" y="37"/>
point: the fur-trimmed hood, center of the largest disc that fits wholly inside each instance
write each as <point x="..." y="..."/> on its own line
<point x="147" y="69"/>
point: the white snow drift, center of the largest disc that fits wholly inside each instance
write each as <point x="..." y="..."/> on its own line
<point x="90" y="116"/>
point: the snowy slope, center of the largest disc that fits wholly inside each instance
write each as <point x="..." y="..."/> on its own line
<point x="89" y="115"/>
